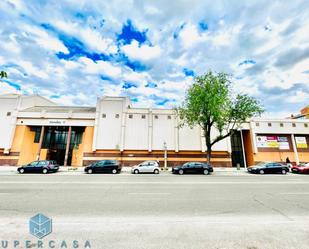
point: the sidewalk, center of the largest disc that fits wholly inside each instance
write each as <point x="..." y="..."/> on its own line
<point x="80" y="170"/>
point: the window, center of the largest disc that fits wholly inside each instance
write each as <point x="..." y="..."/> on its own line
<point x="130" y="115"/>
<point x="306" y="125"/>
<point x="156" y="117"/>
<point x="37" y="134"/>
<point x="42" y="163"/>
<point x="117" y="115"/>
<point x="269" y="124"/>
<point x="8" y="114"/>
<point x="293" y="124"/>
<point x="281" y="124"/>
<point x="257" y="124"/>
<point x="103" y="115"/>
<point x="143" y="116"/>
<point x="169" y="117"/>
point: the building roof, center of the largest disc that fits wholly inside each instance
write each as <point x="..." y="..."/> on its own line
<point x="61" y="109"/>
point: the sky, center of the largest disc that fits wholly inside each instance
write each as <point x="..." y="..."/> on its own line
<point x="73" y="51"/>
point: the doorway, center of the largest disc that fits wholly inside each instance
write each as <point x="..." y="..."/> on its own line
<point x="58" y="155"/>
<point x="237" y="150"/>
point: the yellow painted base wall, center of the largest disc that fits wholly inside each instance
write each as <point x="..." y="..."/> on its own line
<point x="85" y="146"/>
<point x="303" y="156"/>
<point x="23" y="143"/>
<point x="274" y="156"/>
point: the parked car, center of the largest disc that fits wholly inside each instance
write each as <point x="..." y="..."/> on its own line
<point x="42" y="166"/>
<point x="302" y="168"/>
<point x="268" y="168"/>
<point x="146" y="167"/>
<point x="105" y="166"/>
<point x="193" y="168"/>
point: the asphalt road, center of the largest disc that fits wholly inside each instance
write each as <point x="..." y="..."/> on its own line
<point x="158" y="211"/>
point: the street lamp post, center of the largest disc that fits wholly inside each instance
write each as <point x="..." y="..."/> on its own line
<point x="165" y="155"/>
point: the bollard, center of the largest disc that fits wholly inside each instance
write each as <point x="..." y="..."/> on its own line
<point x="238" y="166"/>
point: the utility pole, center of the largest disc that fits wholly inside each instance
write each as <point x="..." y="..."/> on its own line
<point x="165" y="155"/>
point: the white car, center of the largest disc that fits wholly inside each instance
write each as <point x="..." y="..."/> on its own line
<point x="146" y="167"/>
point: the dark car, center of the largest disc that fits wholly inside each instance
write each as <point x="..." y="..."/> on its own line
<point x="193" y="168"/>
<point x="302" y="168"/>
<point x="42" y="166"/>
<point x="105" y="166"/>
<point x="268" y="168"/>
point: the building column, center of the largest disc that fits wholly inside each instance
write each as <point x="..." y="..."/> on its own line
<point x="176" y="133"/>
<point x="96" y="124"/>
<point x="150" y="130"/>
<point x="40" y="143"/>
<point x="203" y="143"/>
<point x="295" y="149"/>
<point x="123" y="130"/>
<point x="67" y="147"/>
<point x="253" y="138"/>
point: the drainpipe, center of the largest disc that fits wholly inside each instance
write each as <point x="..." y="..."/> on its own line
<point x="165" y="155"/>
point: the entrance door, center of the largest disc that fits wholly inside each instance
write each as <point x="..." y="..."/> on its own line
<point x="58" y="155"/>
<point x="237" y="151"/>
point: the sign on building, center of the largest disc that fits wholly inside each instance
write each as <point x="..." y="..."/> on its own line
<point x="301" y="142"/>
<point x="273" y="142"/>
<point x="283" y="143"/>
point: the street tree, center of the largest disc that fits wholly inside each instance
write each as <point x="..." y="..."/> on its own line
<point x="211" y="103"/>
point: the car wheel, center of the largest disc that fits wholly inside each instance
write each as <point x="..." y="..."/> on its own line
<point x="21" y="171"/>
<point x="206" y="172"/>
<point x="89" y="171"/>
<point x="180" y="172"/>
<point x="262" y="172"/>
<point x="156" y="171"/>
<point x="136" y="171"/>
<point x="283" y="172"/>
<point x="45" y="171"/>
<point x="114" y="171"/>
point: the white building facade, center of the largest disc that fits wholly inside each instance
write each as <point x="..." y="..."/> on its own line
<point x="33" y="127"/>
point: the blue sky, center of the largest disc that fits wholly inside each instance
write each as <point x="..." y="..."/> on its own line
<point x="152" y="50"/>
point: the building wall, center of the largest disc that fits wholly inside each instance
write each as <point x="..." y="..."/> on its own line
<point x="136" y="131"/>
<point x="108" y="128"/>
<point x="13" y="103"/>
<point x="7" y="105"/>
<point x="84" y="147"/>
<point x="163" y="130"/>
<point x="23" y="143"/>
<point x="248" y="147"/>
<point x="133" y="157"/>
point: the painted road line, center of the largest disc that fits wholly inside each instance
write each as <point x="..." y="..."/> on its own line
<point x="295" y="193"/>
<point x="154" y="183"/>
<point x="148" y="193"/>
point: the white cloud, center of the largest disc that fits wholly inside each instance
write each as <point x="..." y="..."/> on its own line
<point x="141" y="53"/>
<point x="100" y="67"/>
<point x="236" y="32"/>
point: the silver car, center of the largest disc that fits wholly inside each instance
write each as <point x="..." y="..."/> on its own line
<point x="146" y="167"/>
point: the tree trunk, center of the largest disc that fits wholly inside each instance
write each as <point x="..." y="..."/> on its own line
<point x="208" y="154"/>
